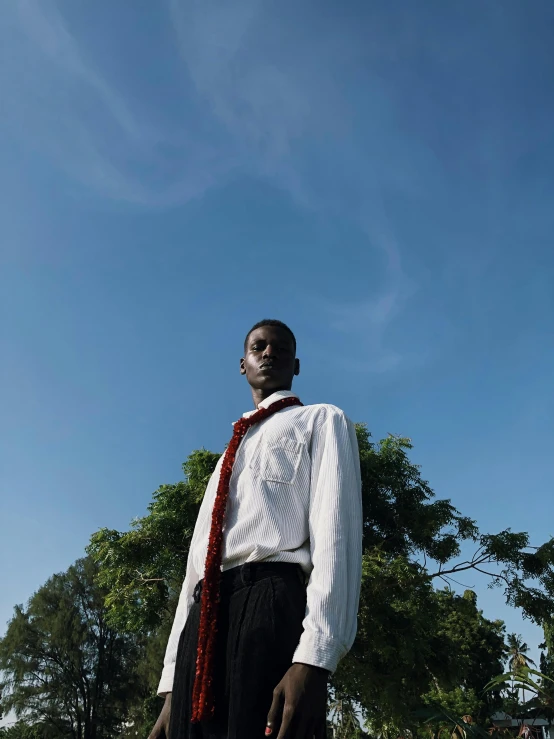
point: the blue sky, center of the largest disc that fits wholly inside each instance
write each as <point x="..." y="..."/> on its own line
<point x="379" y="175"/>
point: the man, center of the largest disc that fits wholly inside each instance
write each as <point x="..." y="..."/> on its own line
<point x="270" y="597"/>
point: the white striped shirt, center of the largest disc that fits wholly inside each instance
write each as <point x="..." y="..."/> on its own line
<point x="294" y="496"/>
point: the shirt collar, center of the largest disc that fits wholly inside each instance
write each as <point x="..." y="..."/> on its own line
<point x="272" y="399"/>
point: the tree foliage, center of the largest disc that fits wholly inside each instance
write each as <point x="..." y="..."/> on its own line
<point x="419" y="648"/>
<point x="402" y="518"/>
<point x="24" y="730"/>
<point x="547" y="653"/>
<point x="524" y="680"/>
<point x="415" y="644"/>
<point x="475" y="650"/>
<point x="65" y="668"/>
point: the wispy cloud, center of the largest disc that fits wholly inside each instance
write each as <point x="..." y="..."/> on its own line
<point x="283" y="100"/>
<point x="48" y="33"/>
<point x="368" y="320"/>
<point x="57" y="100"/>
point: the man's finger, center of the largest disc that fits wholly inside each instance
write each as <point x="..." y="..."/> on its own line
<point x="286" y="730"/>
<point x="275" y="713"/>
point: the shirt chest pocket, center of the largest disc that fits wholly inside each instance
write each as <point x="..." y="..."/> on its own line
<point x="280" y="460"/>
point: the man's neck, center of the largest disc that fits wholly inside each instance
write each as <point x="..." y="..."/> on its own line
<point x="259" y="395"/>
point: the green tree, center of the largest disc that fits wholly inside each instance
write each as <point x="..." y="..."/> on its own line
<point x="547" y="651"/>
<point x="547" y="671"/>
<point x="412" y="541"/>
<point x="23" y="730"/>
<point x="518" y="653"/>
<point x="473" y="650"/>
<point x="518" y="662"/>
<point x="344" y="719"/>
<point x="413" y="643"/>
<point x="64" y="666"/>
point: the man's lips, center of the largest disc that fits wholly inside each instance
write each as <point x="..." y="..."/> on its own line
<point x="267" y="365"/>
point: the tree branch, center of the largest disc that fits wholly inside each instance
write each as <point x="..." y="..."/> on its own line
<point x="149" y="579"/>
<point x="494" y="574"/>
<point x="463" y="566"/>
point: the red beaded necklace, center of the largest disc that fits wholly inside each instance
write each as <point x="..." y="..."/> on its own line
<point x="202" y="694"/>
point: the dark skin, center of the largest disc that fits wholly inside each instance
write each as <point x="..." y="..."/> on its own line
<point x="269" y="362"/>
<point x="299" y="706"/>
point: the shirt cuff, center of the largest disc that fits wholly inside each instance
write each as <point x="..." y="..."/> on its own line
<point x="319" y="651"/>
<point x="166" y="681"/>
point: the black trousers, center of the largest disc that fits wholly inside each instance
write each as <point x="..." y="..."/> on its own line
<point x="259" y="626"/>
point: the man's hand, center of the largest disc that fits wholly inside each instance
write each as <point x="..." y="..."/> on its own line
<point x="299" y="708"/>
<point x="161" y="727"/>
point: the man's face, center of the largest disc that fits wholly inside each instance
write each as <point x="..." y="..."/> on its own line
<point x="269" y="361"/>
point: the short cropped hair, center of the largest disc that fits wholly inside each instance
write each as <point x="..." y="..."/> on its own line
<point x="271" y="322"/>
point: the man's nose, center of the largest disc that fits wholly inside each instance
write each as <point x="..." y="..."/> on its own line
<point x="270" y="351"/>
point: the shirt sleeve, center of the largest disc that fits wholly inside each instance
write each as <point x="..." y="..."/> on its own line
<point x="181" y="614"/>
<point x="186" y="597"/>
<point x="335" y="525"/>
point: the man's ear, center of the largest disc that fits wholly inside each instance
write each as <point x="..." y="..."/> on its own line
<point x="242" y="367"/>
<point x="296" y="366"/>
